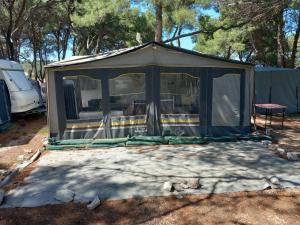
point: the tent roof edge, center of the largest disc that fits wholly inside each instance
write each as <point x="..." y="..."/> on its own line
<point x="76" y="61"/>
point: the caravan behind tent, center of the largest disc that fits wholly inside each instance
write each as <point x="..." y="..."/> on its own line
<point x="23" y="96"/>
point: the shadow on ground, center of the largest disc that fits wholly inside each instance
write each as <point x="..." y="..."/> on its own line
<point x="264" y="207"/>
<point x="121" y="173"/>
<point x="22" y="130"/>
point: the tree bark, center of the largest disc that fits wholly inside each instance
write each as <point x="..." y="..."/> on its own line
<point x="158" y="14"/>
<point x="2" y="52"/>
<point x="179" y="33"/>
<point x="281" y="62"/>
<point x="249" y="56"/>
<point x="57" y="39"/>
<point x="228" y="53"/>
<point x="67" y="33"/>
<point x="9" y="43"/>
<point x="74" y="46"/>
<point x="295" y="44"/>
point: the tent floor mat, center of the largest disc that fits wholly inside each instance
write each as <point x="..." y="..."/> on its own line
<point x="146" y="140"/>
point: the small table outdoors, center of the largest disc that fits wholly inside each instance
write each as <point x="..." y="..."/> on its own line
<point x="268" y="111"/>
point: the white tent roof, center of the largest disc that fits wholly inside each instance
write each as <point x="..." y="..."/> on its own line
<point x="152" y="53"/>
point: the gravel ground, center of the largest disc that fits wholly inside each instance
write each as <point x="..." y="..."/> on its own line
<point x="270" y="207"/>
<point x="121" y="173"/>
<point x="288" y="137"/>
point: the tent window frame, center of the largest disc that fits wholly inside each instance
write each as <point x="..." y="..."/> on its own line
<point x="100" y="90"/>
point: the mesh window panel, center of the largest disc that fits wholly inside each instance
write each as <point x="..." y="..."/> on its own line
<point x="226" y="100"/>
<point x="128" y="105"/>
<point x="179" y="104"/>
<point x="84" y="111"/>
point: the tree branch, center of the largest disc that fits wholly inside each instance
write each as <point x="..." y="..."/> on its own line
<point x="206" y="31"/>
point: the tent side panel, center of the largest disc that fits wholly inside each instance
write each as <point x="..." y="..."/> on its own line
<point x="52" y="105"/>
<point x="262" y="87"/>
<point x="284" y="85"/>
<point x="249" y="92"/>
<point x="229" y="102"/>
<point x="278" y="86"/>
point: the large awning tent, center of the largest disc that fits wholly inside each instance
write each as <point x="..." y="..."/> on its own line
<point x="278" y="85"/>
<point x="149" y="90"/>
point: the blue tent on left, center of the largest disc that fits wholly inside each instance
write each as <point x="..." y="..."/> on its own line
<point x="5" y="114"/>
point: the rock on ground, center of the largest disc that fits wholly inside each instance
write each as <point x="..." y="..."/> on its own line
<point x="20" y="157"/>
<point x="94" y="204"/>
<point x="272" y="182"/>
<point x="64" y="195"/>
<point x="281" y="151"/>
<point x="168" y="186"/>
<point x="193" y="183"/>
<point x="292" y="156"/>
<point x="275" y="180"/>
<point x="179" y="186"/>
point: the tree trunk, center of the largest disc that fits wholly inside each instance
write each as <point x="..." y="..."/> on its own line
<point x="281" y="62"/>
<point x="34" y="49"/>
<point x="228" y="55"/>
<point x="10" y="47"/>
<point x="67" y="35"/>
<point x="249" y="56"/>
<point x="295" y="44"/>
<point x="65" y="43"/>
<point x="2" y="52"/>
<point x="40" y="77"/>
<point x="9" y="43"/>
<point x="158" y="14"/>
<point x="179" y="33"/>
<point x="57" y="39"/>
<point x="74" y="48"/>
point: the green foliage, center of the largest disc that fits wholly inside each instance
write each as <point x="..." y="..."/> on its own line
<point x="91" y="12"/>
<point x="37" y="32"/>
<point x="233" y="43"/>
<point x="114" y="25"/>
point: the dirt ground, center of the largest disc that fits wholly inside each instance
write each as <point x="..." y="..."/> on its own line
<point x="21" y="140"/>
<point x="288" y="137"/>
<point x="244" y="208"/>
<point x="263" y="207"/>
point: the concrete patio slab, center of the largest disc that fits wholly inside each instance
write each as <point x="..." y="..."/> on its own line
<point x="121" y="173"/>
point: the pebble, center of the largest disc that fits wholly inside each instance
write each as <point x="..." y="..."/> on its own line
<point x="28" y="151"/>
<point x="2" y="171"/>
<point x="281" y="151"/>
<point x="94" y="204"/>
<point x="193" y="183"/>
<point x="292" y="156"/>
<point x="274" y="180"/>
<point x="180" y="186"/>
<point x="20" y="157"/>
<point x="266" y="142"/>
<point x="64" y="195"/>
<point x="168" y="186"/>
